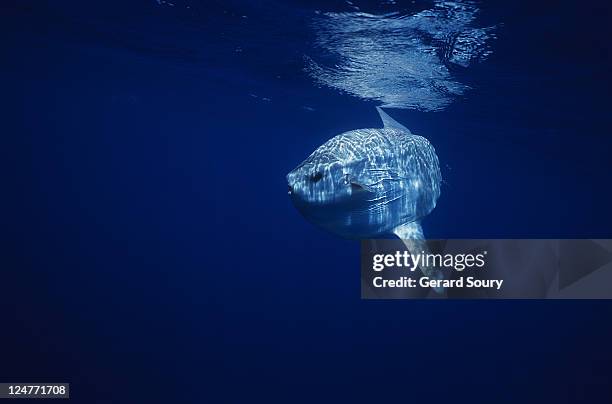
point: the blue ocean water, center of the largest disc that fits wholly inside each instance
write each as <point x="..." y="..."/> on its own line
<point x="152" y="253"/>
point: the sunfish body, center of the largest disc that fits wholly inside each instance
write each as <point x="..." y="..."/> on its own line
<point x="369" y="182"/>
<point x="366" y="183"/>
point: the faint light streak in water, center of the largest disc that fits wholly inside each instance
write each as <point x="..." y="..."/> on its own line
<point x="400" y="60"/>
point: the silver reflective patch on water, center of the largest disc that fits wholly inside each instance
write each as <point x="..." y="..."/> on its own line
<point x="399" y="59"/>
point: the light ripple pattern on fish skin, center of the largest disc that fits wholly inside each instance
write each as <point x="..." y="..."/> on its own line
<point x="399" y="60"/>
<point x="366" y="182"/>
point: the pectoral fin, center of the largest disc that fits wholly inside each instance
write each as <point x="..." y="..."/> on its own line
<point x="376" y="178"/>
<point x="356" y="186"/>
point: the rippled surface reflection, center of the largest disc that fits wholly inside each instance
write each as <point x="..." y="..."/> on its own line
<point x="399" y="59"/>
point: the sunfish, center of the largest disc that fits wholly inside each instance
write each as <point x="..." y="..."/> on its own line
<point x="367" y="183"/>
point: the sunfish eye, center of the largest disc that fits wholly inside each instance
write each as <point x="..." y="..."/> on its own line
<point x="316" y="177"/>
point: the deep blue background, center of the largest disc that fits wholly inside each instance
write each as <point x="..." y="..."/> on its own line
<point x="148" y="241"/>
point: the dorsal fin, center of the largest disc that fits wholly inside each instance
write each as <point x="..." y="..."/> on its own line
<point x="389" y="122"/>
